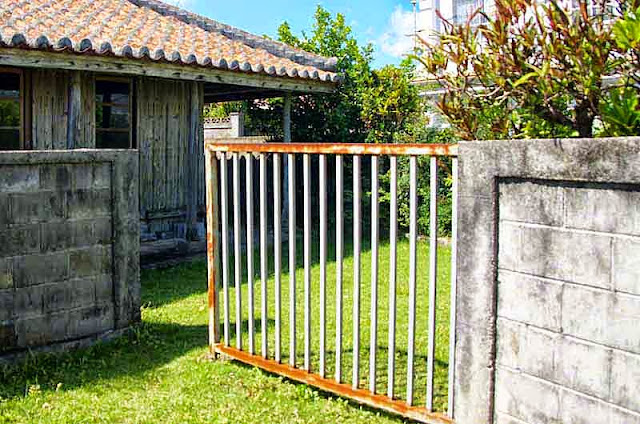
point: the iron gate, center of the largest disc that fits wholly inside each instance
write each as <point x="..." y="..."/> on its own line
<point x="335" y="348"/>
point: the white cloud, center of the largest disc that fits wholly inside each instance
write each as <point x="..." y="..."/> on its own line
<point x="396" y="40"/>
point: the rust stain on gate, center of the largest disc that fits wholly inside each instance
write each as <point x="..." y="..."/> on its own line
<point x="366" y="397"/>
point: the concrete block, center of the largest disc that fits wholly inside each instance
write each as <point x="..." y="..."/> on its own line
<point x="526" y="398"/>
<point x="502" y="418"/>
<point x="91" y="176"/>
<point x="579" y="409"/>
<point x="87" y="204"/>
<point x="103" y="231"/>
<point x="103" y="288"/>
<point x="6" y="274"/>
<point x="91" y="320"/>
<point x="606" y="208"/>
<point x="82" y="293"/>
<point x="55" y="177"/>
<point x="66" y="235"/>
<point x="19" y="178"/>
<point x="7" y="336"/>
<point x="625" y="380"/>
<point x="41" y="330"/>
<point x="534" y="203"/>
<point x="550" y="253"/>
<point x="602" y="317"/>
<point x="56" y="297"/>
<point x="37" y="207"/>
<point x="90" y="261"/>
<point x="29" y="301"/>
<point x="530" y="300"/>
<point x="20" y="240"/>
<point x="5" y="213"/>
<point x="583" y="366"/>
<point x="38" y="269"/>
<point x="527" y="349"/>
<point x="626" y="265"/>
<point x="6" y="305"/>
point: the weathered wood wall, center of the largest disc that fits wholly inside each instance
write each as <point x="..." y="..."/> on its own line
<point x="164" y="130"/>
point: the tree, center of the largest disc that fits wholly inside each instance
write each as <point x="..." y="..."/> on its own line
<point x="531" y="68"/>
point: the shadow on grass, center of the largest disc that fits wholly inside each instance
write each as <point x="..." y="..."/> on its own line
<point x="147" y="347"/>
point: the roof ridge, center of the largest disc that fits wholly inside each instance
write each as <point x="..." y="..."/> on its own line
<point x="276" y="48"/>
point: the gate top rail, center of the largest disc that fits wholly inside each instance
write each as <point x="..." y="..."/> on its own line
<point x="338" y="148"/>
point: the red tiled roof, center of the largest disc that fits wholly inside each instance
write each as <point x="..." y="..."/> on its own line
<point x="152" y="29"/>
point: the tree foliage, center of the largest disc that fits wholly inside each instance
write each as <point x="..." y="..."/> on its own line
<point x="533" y="69"/>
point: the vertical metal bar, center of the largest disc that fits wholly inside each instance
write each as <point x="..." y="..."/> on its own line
<point x="357" y="217"/>
<point x="250" y="273"/>
<point x="393" y="237"/>
<point x="236" y="242"/>
<point x="323" y="263"/>
<point x="292" y="259"/>
<point x="306" y="162"/>
<point x="373" y="334"/>
<point x="339" y="257"/>
<point x="413" y="224"/>
<point x="433" y="275"/>
<point x="454" y="282"/>
<point x="263" y="253"/>
<point x="213" y="240"/>
<point x="224" y="211"/>
<point x="277" y="252"/>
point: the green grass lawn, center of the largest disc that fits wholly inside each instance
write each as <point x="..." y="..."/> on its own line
<point x="161" y="373"/>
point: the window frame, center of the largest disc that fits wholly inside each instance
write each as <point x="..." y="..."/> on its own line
<point x="130" y="105"/>
<point x="21" y="127"/>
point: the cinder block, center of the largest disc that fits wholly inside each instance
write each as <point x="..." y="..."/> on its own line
<point x="82" y="293"/>
<point x="38" y="269"/>
<point x="5" y="217"/>
<point x="626" y="265"/>
<point x="6" y="274"/>
<point x="578" y="409"/>
<point x="20" y="240"/>
<point x="603" y="317"/>
<point x="530" y="202"/>
<point x="19" y="178"/>
<point x="90" y="261"/>
<point x="56" y="297"/>
<point x="103" y="231"/>
<point x="38" y="207"/>
<point x="55" y="177"/>
<point x="563" y="255"/>
<point x="530" y="300"/>
<point x="29" y="301"/>
<point x="41" y="330"/>
<point x="609" y="210"/>
<point x="625" y="380"/>
<point x="526" y="398"/>
<point x="91" y="176"/>
<point x="88" y="204"/>
<point x="7" y="336"/>
<point x="584" y="367"/>
<point x="6" y="305"/>
<point x="56" y="236"/>
<point x="526" y="348"/>
<point x="91" y="320"/>
<point x="103" y="288"/>
<point x="507" y="419"/>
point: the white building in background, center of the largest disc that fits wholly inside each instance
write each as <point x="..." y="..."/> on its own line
<point x="428" y="23"/>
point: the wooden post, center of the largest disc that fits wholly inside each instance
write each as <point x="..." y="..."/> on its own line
<point x="193" y="171"/>
<point x="74" y="116"/>
<point x="286" y="127"/>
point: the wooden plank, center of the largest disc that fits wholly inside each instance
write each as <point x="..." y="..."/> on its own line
<point x="74" y="117"/>
<point x="144" y="143"/>
<point x="121" y="66"/>
<point x="50" y="98"/>
<point x="191" y="186"/>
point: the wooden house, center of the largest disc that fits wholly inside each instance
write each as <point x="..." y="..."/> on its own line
<point x="135" y="74"/>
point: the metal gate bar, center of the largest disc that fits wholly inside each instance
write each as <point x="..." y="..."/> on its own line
<point x="218" y="267"/>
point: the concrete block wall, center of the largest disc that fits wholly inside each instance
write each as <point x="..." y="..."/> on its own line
<point x="68" y="246"/>
<point x="549" y="267"/>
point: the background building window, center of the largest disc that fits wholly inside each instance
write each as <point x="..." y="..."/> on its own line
<point x="113" y="114"/>
<point x="10" y="110"/>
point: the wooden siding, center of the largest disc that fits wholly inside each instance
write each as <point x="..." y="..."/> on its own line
<point x="50" y="93"/>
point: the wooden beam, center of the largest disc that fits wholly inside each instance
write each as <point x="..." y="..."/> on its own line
<point x="74" y="117"/>
<point x="147" y="67"/>
<point x="191" y="181"/>
<point x="286" y="118"/>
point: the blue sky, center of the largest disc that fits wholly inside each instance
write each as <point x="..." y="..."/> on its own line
<point x="382" y="22"/>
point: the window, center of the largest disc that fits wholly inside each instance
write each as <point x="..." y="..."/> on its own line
<point x="10" y="110"/>
<point x="113" y="114"/>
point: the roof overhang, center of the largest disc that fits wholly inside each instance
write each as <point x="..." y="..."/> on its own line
<point x="237" y="84"/>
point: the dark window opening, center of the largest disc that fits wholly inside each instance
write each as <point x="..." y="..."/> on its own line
<point x="10" y="111"/>
<point x="113" y="114"/>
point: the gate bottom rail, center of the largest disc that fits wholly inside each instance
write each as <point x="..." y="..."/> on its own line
<point x="361" y="396"/>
